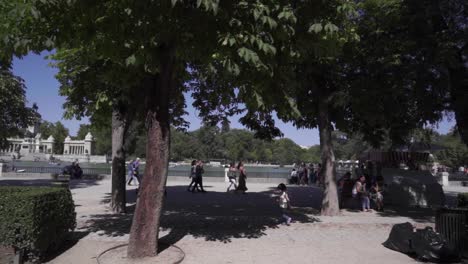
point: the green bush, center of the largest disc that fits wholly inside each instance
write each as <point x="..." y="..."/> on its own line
<point x="463" y="200"/>
<point x="35" y="219"/>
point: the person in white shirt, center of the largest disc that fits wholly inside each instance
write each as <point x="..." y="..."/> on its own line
<point x="293" y="177"/>
<point x="359" y="191"/>
<point x="231" y="174"/>
<point x="284" y="203"/>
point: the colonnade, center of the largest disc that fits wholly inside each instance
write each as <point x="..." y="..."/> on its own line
<point x="12" y="148"/>
<point x="78" y="150"/>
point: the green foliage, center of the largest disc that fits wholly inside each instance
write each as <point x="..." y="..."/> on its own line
<point x="14" y="114"/>
<point x="209" y="143"/>
<point x="102" y="134"/>
<point x="36" y="219"/>
<point x="312" y="154"/>
<point x="455" y="152"/>
<point x="348" y="147"/>
<point x="58" y="131"/>
<point x="82" y="131"/>
<point x="462" y="200"/>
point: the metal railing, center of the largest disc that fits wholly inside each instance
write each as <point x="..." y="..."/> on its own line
<point x="57" y="170"/>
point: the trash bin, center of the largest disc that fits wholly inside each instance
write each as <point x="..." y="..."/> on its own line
<point x="452" y="224"/>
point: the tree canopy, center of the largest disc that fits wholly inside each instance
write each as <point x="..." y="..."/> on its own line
<point x="14" y="114"/>
<point x="58" y="131"/>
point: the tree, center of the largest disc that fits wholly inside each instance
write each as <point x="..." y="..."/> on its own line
<point x="312" y="154"/>
<point x="286" y="151"/>
<point x="14" y="114"/>
<point x="413" y="51"/>
<point x="83" y="130"/>
<point x="154" y="44"/>
<point x="56" y="130"/>
<point x="311" y="77"/>
<point x="454" y="152"/>
<point x="108" y="106"/>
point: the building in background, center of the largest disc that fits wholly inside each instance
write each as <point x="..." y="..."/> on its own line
<point x="79" y="147"/>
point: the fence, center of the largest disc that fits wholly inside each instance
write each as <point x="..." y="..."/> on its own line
<point x="253" y="172"/>
<point x="55" y="169"/>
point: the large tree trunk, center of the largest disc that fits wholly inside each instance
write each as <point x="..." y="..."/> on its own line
<point x="119" y="128"/>
<point x="330" y="205"/>
<point x="145" y="227"/>
<point x="459" y="95"/>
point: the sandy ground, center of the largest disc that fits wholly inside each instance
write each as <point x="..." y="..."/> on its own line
<point x="219" y="227"/>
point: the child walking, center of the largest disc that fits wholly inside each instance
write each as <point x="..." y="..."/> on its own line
<point x="284" y="203"/>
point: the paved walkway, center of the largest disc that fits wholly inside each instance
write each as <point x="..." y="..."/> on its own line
<point x="219" y="227"/>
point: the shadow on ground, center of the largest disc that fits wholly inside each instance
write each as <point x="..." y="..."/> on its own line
<point x="221" y="216"/>
<point x="215" y="216"/>
<point x="418" y="214"/>
<point x="69" y="242"/>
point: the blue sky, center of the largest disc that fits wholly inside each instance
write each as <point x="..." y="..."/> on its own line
<point x="42" y="88"/>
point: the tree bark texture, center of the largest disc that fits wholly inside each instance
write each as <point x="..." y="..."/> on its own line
<point x="459" y="95"/>
<point x="145" y="227"/>
<point x="119" y="128"/>
<point x="330" y="205"/>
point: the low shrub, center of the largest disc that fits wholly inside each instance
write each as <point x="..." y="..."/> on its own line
<point x="35" y="219"/>
<point x="463" y="200"/>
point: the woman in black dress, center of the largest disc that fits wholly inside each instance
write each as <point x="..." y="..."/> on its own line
<point x="242" y="177"/>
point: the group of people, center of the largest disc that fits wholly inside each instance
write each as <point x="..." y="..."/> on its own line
<point x="231" y="178"/>
<point x="74" y="170"/>
<point x="236" y="177"/>
<point x="306" y="174"/>
<point x="362" y="189"/>
<point x="196" y="174"/>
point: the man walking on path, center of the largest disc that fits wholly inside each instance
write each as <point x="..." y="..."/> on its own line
<point x="134" y="167"/>
<point x="199" y="177"/>
<point x="232" y="177"/>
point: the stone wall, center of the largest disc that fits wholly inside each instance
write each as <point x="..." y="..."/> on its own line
<point x="82" y="158"/>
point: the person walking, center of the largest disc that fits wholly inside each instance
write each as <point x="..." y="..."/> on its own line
<point x="311" y="171"/>
<point x="376" y="194"/>
<point x="293" y="177"/>
<point x="192" y="174"/>
<point x="304" y="174"/>
<point x="232" y="177"/>
<point x="135" y="166"/>
<point x="284" y="203"/>
<point x="242" y="187"/>
<point x="130" y="172"/>
<point x="319" y="175"/>
<point x="199" y="177"/>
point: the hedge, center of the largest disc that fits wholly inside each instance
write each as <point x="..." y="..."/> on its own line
<point x="35" y="219"/>
<point x="463" y="200"/>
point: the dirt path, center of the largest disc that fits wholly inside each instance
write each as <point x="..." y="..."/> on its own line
<point x="219" y="227"/>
